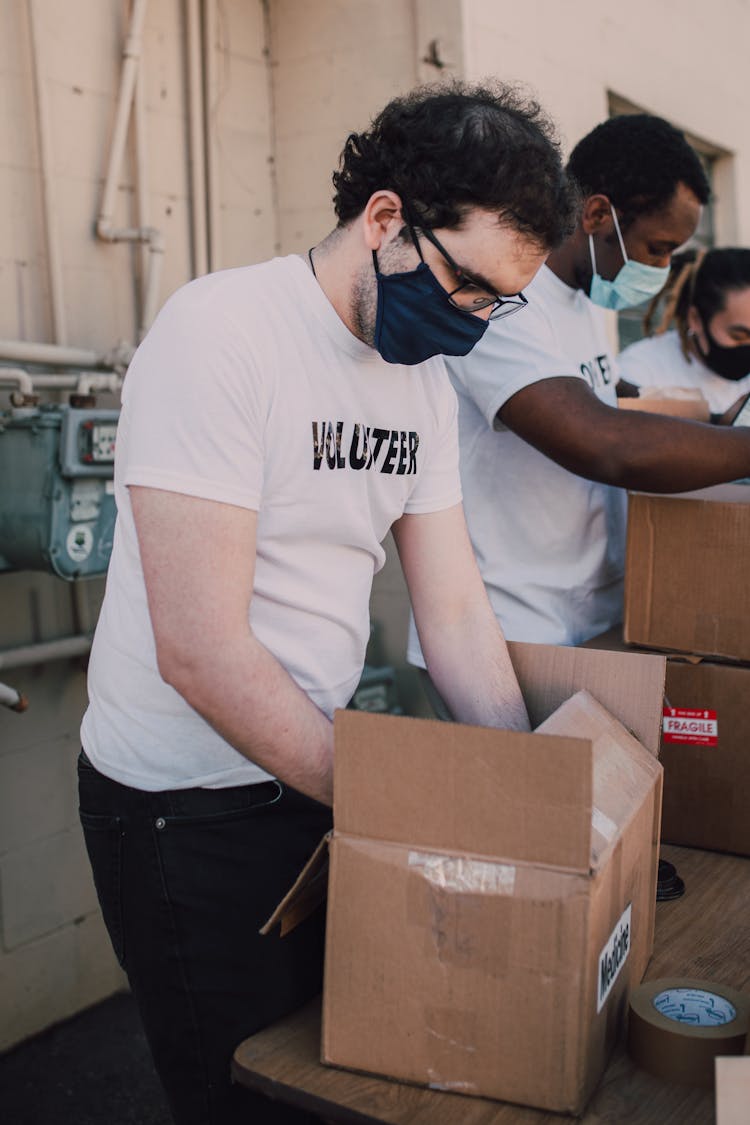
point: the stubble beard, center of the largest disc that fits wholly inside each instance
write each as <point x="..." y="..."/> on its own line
<point x="397" y="256"/>
<point x="364" y="305"/>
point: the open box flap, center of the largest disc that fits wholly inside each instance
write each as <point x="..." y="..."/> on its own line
<point x="624" y="770"/>
<point x="305" y="895"/>
<point x="629" y="684"/>
<point x="463" y="789"/>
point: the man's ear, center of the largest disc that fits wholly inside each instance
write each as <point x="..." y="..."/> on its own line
<point x="382" y="218"/>
<point x="596" y="215"/>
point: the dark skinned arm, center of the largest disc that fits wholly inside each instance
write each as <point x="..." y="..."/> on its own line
<point x="563" y="419"/>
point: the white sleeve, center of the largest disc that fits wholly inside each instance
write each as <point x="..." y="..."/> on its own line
<point x="636" y="365"/>
<point x="439" y="483"/>
<point x="512" y="354"/>
<point x="195" y="406"/>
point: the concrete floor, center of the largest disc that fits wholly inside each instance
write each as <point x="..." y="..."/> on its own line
<point x="94" y="1069"/>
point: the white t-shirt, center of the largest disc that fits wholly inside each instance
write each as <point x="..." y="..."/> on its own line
<point x="250" y="390"/>
<point x="550" y="545"/>
<point x="658" y="362"/>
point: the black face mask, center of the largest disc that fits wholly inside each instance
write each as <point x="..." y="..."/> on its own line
<point x="730" y="363"/>
<point x="415" y="319"/>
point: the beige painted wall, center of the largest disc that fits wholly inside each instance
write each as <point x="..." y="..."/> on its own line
<point x="334" y="65"/>
<point x="288" y="79"/>
<point x="682" y="59"/>
<point x="54" y="955"/>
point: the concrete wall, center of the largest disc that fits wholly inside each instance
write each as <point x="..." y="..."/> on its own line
<point x="681" y="59"/>
<point x="240" y="133"/>
<point x="335" y="63"/>
<point x="286" y="81"/>
<point x="54" y="955"/>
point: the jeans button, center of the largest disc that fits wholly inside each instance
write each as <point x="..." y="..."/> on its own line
<point x="160" y="822"/>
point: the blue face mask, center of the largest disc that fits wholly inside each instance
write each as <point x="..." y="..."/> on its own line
<point x="415" y="320"/>
<point x="635" y="282"/>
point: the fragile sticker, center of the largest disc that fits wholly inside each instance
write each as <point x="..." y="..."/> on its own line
<point x="690" y="726"/>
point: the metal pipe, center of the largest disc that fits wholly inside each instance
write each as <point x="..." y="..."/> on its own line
<point x="271" y="94"/>
<point x="196" y="119"/>
<point x="105" y="228"/>
<point x="54" y="258"/>
<point x="10" y="697"/>
<point x="20" y="351"/>
<point x="43" y="651"/>
<point x="131" y="59"/>
<point x="93" y="381"/>
<point x="142" y="180"/>
<point x="153" y="281"/>
<point x="212" y="160"/>
<point x="16" y="377"/>
<point x="84" y="383"/>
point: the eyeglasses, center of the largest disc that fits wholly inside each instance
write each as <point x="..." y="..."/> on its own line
<point x="469" y="296"/>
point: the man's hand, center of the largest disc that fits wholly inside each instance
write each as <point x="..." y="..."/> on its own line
<point x="462" y="643"/>
<point x="198" y="560"/>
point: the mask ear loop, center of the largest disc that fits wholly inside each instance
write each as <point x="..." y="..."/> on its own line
<point x="592" y="255"/>
<point x="619" y="235"/>
<point x="412" y="236"/>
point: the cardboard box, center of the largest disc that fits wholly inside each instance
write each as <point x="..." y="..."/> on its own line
<point x="686" y="572"/>
<point x="732" y="1090"/>
<point x="491" y="893"/>
<point x="704" y="749"/>
<point x="679" y="402"/>
<point x="706" y="756"/>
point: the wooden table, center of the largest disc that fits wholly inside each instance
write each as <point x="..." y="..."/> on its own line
<point x="706" y="933"/>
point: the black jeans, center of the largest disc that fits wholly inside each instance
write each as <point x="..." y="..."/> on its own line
<point x="185" y="878"/>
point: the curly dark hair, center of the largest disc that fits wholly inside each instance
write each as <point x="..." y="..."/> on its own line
<point x="446" y="148"/>
<point x="703" y="278"/>
<point x="637" y="160"/>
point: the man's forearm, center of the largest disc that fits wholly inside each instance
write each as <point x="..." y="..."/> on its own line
<point x="660" y="454"/>
<point x="474" y="675"/>
<point x="564" y="420"/>
<point x="246" y="695"/>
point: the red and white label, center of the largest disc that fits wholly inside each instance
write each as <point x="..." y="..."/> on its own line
<point x="688" y="726"/>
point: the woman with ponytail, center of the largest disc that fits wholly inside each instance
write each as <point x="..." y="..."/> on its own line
<point x="702" y="337"/>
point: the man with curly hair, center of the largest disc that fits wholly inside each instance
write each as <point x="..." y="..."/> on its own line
<point x="545" y="454"/>
<point x="277" y="421"/>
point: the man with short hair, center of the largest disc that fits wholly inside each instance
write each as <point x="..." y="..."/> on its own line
<point x="277" y="421"/>
<point x="545" y="454"/>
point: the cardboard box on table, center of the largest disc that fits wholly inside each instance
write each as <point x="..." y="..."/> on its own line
<point x="704" y="749"/>
<point x="680" y="402"/>
<point x="732" y="1090"/>
<point x="706" y="756"/>
<point x="686" y="572"/>
<point x="492" y="894"/>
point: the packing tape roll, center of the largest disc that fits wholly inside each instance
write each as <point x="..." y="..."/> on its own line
<point x="678" y="1026"/>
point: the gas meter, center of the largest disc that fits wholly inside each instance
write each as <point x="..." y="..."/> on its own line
<point x="57" y="505"/>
